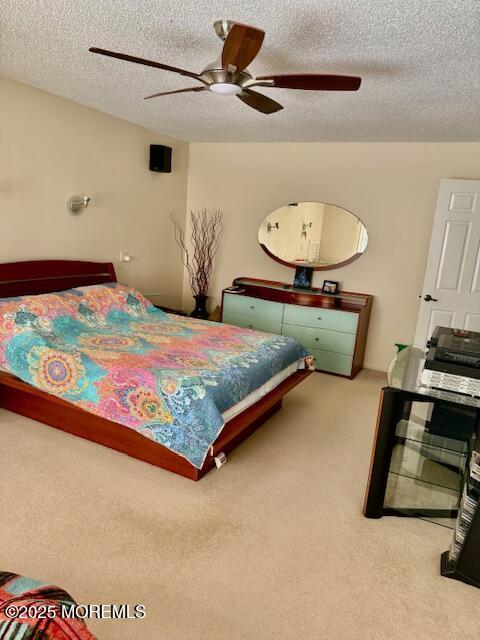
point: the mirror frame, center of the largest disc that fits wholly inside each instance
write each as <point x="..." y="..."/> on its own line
<point x="328" y="267"/>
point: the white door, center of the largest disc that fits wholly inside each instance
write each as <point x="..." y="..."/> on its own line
<point x="451" y="288"/>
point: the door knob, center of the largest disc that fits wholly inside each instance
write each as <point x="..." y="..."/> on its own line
<point x="428" y="298"/>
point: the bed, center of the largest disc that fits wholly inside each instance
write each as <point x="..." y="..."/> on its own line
<point x="81" y="417"/>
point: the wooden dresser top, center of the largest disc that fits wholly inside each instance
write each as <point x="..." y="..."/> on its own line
<point x="286" y="293"/>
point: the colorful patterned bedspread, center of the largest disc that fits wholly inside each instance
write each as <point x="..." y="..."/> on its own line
<point x="30" y="610"/>
<point x="108" y="350"/>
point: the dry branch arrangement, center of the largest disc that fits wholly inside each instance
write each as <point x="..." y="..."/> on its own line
<point x="198" y="254"/>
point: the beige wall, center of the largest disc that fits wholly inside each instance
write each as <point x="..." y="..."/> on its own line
<point x="51" y="148"/>
<point x="392" y="187"/>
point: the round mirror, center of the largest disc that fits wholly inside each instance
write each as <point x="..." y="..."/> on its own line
<point x="315" y="234"/>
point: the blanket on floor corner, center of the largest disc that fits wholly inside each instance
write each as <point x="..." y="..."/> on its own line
<point x="30" y="610"/>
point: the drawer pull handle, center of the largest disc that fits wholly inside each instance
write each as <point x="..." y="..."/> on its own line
<point x="252" y="307"/>
<point x="250" y="326"/>
<point x="319" y="317"/>
<point x="316" y="339"/>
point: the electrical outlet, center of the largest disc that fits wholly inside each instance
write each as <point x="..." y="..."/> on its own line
<point x="125" y="256"/>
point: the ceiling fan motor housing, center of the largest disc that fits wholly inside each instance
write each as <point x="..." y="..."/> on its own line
<point x="215" y="75"/>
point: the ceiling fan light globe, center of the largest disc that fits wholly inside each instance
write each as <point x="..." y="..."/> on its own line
<point x="225" y="88"/>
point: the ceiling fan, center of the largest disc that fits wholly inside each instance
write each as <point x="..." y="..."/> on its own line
<point x="228" y="74"/>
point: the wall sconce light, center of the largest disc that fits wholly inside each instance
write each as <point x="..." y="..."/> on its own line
<point x="75" y="203"/>
<point x="271" y="226"/>
<point x="305" y="226"/>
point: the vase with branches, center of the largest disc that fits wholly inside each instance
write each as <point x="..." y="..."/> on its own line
<point x="197" y="256"/>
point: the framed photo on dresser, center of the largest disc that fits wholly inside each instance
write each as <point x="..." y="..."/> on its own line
<point x="303" y="278"/>
<point x="330" y="286"/>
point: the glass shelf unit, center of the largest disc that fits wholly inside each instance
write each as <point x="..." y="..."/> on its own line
<point x="422" y="447"/>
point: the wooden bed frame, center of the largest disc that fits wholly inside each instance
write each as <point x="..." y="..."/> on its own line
<point x="47" y="276"/>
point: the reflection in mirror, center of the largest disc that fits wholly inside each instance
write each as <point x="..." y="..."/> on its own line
<point x="316" y="234"/>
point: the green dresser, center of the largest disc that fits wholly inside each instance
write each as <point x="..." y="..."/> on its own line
<point x="332" y="328"/>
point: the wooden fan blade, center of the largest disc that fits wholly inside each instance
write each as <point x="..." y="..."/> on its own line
<point x="313" y="82"/>
<point x="148" y="63"/>
<point x="258" y="101"/>
<point x="169" y="93"/>
<point x="241" y="46"/>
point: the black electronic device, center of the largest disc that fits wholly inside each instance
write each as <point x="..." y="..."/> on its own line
<point x="454" y="351"/>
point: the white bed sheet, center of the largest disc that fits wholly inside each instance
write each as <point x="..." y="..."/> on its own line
<point x="263" y="390"/>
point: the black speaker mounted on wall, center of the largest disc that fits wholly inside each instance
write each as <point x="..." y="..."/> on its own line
<point x="160" y="158"/>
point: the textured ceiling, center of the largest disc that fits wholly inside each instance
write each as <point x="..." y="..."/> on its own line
<point x="419" y="60"/>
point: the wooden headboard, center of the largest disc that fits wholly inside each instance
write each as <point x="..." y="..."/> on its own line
<point x="47" y="276"/>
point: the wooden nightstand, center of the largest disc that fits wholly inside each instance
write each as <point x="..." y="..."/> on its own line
<point x="177" y="312"/>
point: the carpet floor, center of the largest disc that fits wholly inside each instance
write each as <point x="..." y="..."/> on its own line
<point x="272" y="545"/>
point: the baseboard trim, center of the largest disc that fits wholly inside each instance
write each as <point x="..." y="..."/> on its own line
<point x="375" y="367"/>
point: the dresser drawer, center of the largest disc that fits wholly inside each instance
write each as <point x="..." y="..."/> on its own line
<point x="332" y="362"/>
<point x="321" y="318"/>
<point x="233" y="303"/>
<point x="324" y="339"/>
<point x="249" y="322"/>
